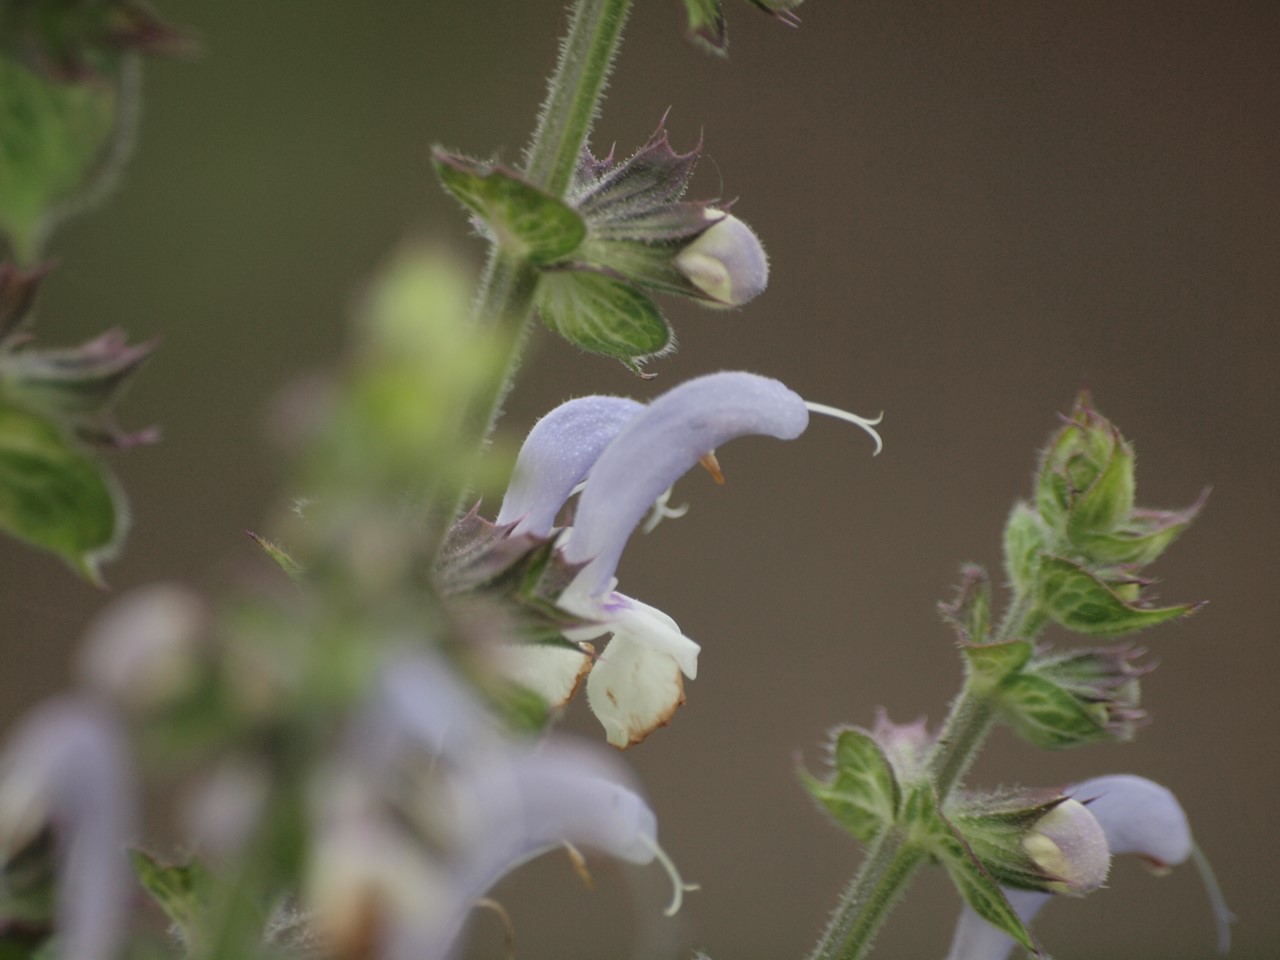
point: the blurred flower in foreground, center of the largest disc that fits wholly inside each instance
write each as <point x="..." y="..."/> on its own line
<point x="1137" y="816"/>
<point x="430" y="804"/>
<point x="66" y="769"/>
<point x="629" y="456"/>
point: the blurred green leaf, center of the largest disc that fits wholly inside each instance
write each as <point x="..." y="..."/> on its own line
<point x="991" y="664"/>
<point x="183" y="891"/>
<point x="707" y="24"/>
<point x="1044" y="714"/>
<point x="59" y="144"/>
<point x="28" y="884"/>
<point x="56" y="497"/>
<point x="1024" y="541"/>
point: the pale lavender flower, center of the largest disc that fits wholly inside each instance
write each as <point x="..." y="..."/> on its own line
<point x="431" y="804"/>
<point x="1136" y="816"/>
<point x="635" y="685"/>
<point x="556" y="457"/>
<point x="67" y="767"/>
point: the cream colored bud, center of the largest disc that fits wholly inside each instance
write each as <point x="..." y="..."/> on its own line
<point x="726" y="262"/>
<point x="1068" y="843"/>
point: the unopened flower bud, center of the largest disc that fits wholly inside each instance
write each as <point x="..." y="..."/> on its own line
<point x="1068" y="843"/>
<point x="727" y="263"/>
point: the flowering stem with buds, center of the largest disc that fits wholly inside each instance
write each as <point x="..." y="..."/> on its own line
<point x="506" y="294"/>
<point x="892" y="859"/>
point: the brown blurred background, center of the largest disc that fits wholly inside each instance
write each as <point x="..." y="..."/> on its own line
<point x="972" y="210"/>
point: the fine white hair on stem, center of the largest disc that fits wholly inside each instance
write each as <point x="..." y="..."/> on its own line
<point x="869" y="425"/>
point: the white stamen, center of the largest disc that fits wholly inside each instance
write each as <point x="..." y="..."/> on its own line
<point x="863" y="422"/>
<point x="679" y="887"/>
<point x="1222" y="914"/>
<point x="508" y="925"/>
<point x="661" y="511"/>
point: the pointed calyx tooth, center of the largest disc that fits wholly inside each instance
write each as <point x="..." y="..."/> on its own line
<point x="712" y="466"/>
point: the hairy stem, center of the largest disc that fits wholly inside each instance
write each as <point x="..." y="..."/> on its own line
<point x="960" y="740"/>
<point x="575" y="91"/>
<point x="881" y="880"/>
<point x="505" y="298"/>
<point x="890" y="862"/>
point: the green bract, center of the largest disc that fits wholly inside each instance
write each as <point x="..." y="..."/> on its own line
<point x="1081" y="601"/>
<point x="525" y="221"/>
<point x="603" y="315"/>
<point x="861" y="792"/>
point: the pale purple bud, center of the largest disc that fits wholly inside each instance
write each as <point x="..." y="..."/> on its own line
<point x="727" y="262"/>
<point x="1068" y="843"/>
<point x="658" y="447"/>
<point x="1136" y="815"/>
<point x="557" y="455"/>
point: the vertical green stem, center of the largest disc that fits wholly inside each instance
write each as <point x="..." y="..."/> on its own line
<point x="867" y="900"/>
<point x="890" y="862"/>
<point x="575" y="91"/>
<point x="506" y="296"/>
<point x="961" y="738"/>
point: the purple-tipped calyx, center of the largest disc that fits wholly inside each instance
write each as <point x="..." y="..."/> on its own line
<point x="1135" y="815"/>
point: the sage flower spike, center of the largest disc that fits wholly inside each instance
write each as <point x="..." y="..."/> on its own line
<point x="556" y="456"/>
<point x="630" y="455"/>
<point x="66" y="768"/>
<point x="635" y="685"/>
<point x="1137" y="816"/>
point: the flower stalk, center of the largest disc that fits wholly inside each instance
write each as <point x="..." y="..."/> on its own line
<point x="505" y="298"/>
<point x="880" y="882"/>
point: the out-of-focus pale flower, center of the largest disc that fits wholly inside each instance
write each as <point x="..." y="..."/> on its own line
<point x="142" y="651"/>
<point x="1136" y="816"/>
<point x="66" y="767"/>
<point x="431" y="804"/>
